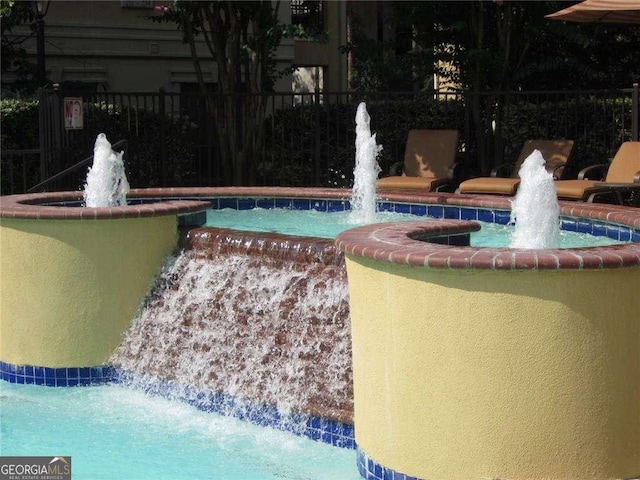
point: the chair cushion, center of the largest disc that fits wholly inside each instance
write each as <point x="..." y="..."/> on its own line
<point x="402" y="181"/>
<point x="575" y="189"/>
<point x="495" y="185"/>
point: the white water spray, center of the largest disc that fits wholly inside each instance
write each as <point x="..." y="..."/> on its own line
<point x="107" y="184"/>
<point x="535" y="210"/>
<point x="248" y="328"/>
<point x="363" y="198"/>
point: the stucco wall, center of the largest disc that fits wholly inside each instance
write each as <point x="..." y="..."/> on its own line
<point x="71" y="288"/>
<point x="463" y="374"/>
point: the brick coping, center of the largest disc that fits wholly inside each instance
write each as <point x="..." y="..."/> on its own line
<point x="394" y="242"/>
<point x="41" y="206"/>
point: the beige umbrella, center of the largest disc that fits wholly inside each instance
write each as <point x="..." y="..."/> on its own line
<point x="612" y="11"/>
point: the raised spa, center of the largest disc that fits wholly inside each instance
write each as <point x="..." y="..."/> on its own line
<point x="467" y="362"/>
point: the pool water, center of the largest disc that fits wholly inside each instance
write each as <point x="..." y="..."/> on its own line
<point x="112" y="432"/>
<point x="312" y="223"/>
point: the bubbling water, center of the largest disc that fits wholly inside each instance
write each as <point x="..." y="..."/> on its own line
<point x="363" y="199"/>
<point x="107" y="184"/>
<point x="535" y="210"/>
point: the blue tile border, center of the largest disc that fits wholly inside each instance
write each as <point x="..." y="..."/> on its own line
<point x="334" y="433"/>
<point x="369" y="469"/>
<point x="573" y="224"/>
<point x="56" y="377"/>
<point x="328" y="431"/>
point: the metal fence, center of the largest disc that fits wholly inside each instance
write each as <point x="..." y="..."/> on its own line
<point x="308" y="138"/>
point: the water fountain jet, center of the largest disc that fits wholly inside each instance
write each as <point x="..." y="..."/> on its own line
<point x="107" y="184"/>
<point x="363" y="199"/>
<point x="535" y="210"/>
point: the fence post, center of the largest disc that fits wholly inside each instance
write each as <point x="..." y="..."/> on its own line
<point x="163" y="127"/>
<point x="635" y="113"/>
<point x="316" y="146"/>
<point x="42" y="105"/>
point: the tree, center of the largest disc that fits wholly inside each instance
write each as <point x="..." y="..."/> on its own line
<point x="241" y="39"/>
<point x="13" y="57"/>
<point x="486" y="47"/>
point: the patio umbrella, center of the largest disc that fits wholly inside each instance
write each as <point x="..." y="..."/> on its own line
<point x="612" y="11"/>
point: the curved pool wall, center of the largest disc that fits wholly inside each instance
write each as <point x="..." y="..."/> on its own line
<point x="468" y="362"/>
<point x="72" y="279"/>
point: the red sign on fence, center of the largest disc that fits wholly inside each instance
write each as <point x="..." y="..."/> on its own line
<point x="73" y="118"/>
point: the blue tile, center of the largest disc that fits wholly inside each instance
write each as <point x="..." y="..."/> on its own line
<point x="265" y="203"/>
<point x="246" y="203"/>
<point x="73" y="382"/>
<point x="486" y="215"/>
<point x="388" y="474"/>
<point x="29" y="371"/>
<point x="314" y="422"/>
<point x="568" y="224"/>
<point x="452" y="213"/>
<point x="337" y="205"/>
<point x="468" y="214"/>
<point x="624" y="234"/>
<point x="84" y="372"/>
<point x="61" y="382"/>
<point x="50" y="381"/>
<point x="61" y="373"/>
<point x="420" y="210"/>
<point x="301" y="204"/>
<point x="283" y="202"/>
<point x="49" y="373"/>
<point x="319" y="205"/>
<point x="215" y="202"/>
<point x="386" y="207"/>
<point x="39" y="372"/>
<point x="599" y="230"/>
<point x="502" y="217"/>
<point x="72" y="373"/>
<point x="228" y="203"/>
<point x="402" y="208"/>
<point x="435" y="211"/>
<point x="370" y="464"/>
<point x="584" y="226"/>
<point x="29" y="380"/>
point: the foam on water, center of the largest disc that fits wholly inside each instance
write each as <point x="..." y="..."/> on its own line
<point x="115" y="432"/>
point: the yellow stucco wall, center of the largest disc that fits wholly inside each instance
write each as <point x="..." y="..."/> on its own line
<point x="482" y="374"/>
<point x="69" y="289"/>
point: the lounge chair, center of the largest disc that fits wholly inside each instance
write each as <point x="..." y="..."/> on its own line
<point x="429" y="162"/>
<point x="622" y="178"/>
<point x="555" y="152"/>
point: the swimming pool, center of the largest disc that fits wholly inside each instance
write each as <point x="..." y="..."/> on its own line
<point x="311" y="222"/>
<point x="113" y="432"/>
<point x="548" y="285"/>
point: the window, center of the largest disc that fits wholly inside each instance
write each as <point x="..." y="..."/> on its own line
<point x="305" y="81"/>
<point x="309" y="14"/>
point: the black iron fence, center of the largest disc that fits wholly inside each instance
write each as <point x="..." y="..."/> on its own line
<point x="307" y="139"/>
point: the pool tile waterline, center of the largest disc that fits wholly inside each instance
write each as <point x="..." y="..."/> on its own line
<point x="323" y="430"/>
<point x="56" y="377"/>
